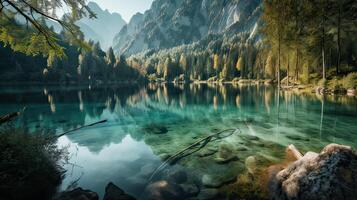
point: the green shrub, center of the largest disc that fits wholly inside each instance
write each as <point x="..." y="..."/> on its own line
<point x="350" y="81"/>
<point x="29" y="165"/>
<point x="322" y="83"/>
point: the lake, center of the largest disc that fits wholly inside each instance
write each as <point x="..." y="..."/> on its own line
<point x="148" y="124"/>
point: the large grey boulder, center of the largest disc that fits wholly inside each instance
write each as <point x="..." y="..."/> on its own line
<point x="332" y="174"/>
<point x="113" y="192"/>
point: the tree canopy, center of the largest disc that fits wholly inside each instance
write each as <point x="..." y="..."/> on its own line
<point x="23" y="25"/>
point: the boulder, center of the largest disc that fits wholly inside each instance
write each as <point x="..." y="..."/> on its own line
<point x="225" y="154"/>
<point x="206" y="194"/>
<point x="77" y="194"/>
<point x="113" y="192"/>
<point x="251" y="164"/>
<point x="164" y="190"/>
<point x="352" y="92"/>
<point x="206" y="152"/>
<point x="178" y="177"/>
<point x="190" y="190"/>
<point x="332" y="174"/>
<point x="156" y="129"/>
<point x="216" y="181"/>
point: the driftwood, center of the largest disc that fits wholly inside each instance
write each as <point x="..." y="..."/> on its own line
<point x="10" y="116"/>
<point x="81" y="127"/>
<point x="294" y="151"/>
<point x="186" y="151"/>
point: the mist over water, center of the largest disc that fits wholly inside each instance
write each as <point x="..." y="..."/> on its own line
<point x="148" y="123"/>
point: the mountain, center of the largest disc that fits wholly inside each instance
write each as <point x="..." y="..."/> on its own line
<point x="170" y="23"/>
<point x="103" y="28"/>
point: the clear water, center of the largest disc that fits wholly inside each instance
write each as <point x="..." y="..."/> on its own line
<point x="147" y="123"/>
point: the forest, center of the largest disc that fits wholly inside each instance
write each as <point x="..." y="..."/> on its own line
<point x="306" y="41"/>
<point x="299" y="40"/>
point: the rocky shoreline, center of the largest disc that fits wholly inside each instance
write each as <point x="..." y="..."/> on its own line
<point x="330" y="174"/>
<point x="112" y="192"/>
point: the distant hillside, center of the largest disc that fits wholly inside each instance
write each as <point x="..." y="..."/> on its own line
<point x="170" y="23"/>
<point x="102" y="29"/>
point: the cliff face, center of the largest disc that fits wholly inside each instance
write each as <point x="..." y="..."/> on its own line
<point x="170" y="23"/>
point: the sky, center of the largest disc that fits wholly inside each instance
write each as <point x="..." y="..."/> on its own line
<point x="126" y="8"/>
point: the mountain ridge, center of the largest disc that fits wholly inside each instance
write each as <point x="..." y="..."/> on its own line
<point x="171" y="23"/>
<point x="105" y="26"/>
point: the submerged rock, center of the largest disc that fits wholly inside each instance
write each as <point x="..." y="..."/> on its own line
<point x="178" y="176"/>
<point x="78" y="194"/>
<point x="164" y="190"/>
<point x="251" y="137"/>
<point x="251" y="164"/>
<point x="225" y="154"/>
<point x="190" y="190"/>
<point x="155" y="129"/>
<point x="295" y="137"/>
<point x="207" y="194"/>
<point x="216" y="181"/>
<point x="206" y="152"/>
<point x="113" y="192"/>
<point x="332" y="174"/>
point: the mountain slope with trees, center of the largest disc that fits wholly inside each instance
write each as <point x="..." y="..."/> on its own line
<point x="176" y="22"/>
<point x="300" y="41"/>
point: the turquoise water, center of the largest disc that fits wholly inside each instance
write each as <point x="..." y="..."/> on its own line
<point x="146" y="124"/>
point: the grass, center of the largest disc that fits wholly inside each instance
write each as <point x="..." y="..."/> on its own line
<point x="29" y="165"/>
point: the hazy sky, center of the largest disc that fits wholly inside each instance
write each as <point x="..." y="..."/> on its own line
<point x="126" y="8"/>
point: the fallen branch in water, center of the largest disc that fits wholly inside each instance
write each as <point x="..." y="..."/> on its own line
<point x="10" y="116"/>
<point x="81" y="127"/>
<point x="200" y="144"/>
<point x="294" y="152"/>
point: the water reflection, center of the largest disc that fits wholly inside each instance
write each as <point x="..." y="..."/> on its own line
<point x="148" y="123"/>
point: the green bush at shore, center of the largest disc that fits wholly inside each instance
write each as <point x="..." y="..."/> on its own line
<point x="29" y="164"/>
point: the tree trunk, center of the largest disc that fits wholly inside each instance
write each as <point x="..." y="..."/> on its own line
<point x="278" y="70"/>
<point x="287" y="72"/>
<point x="338" y="40"/>
<point x="323" y="48"/>
<point x="297" y="65"/>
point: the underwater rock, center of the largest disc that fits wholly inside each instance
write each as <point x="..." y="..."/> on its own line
<point x="332" y="174"/>
<point x="164" y="156"/>
<point x="216" y="181"/>
<point x="113" y="192"/>
<point x="206" y="152"/>
<point x="251" y="137"/>
<point x="164" y="190"/>
<point x="207" y="194"/>
<point x="78" y="194"/>
<point x="225" y="154"/>
<point x="155" y="129"/>
<point x="242" y="149"/>
<point x="190" y="190"/>
<point x="251" y="164"/>
<point x="294" y="137"/>
<point x="178" y="176"/>
<point x="226" y="160"/>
